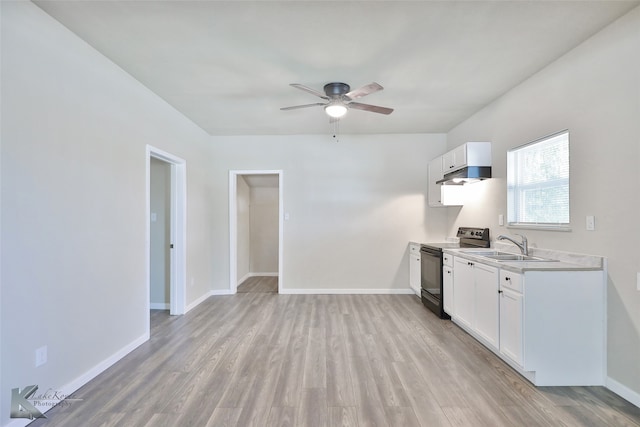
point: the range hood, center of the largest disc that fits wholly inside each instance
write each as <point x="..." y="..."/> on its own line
<point x="466" y="175"/>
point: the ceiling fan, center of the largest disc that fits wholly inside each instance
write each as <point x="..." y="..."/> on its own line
<point x="339" y="97"/>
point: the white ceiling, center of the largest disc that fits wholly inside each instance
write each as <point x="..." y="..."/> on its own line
<point x="227" y="65"/>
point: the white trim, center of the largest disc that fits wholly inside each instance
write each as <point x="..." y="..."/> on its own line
<point x="233" y="225"/>
<point x="407" y="291"/>
<point x="216" y="292"/>
<point x="204" y="297"/>
<point x="242" y="279"/>
<point x="198" y="301"/>
<point x="623" y="391"/>
<point x="83" y="379"/>
<point x="178" y="230"/>
<point x="605" y="321"/>
<point x="159" y="306"/>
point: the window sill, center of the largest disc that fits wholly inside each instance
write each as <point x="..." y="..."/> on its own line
<point x="564" y="228"/>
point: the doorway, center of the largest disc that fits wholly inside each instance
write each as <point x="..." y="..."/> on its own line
<point x="169" y="207"/>
<point x="256" y="242"/>
<point x="160" y="235"/>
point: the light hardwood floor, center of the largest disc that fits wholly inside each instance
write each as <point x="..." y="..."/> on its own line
<point x="263" y="359"/>
<point x="259" y="284"/>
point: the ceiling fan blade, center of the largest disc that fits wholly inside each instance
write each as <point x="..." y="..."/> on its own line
<point x="295" y="107"/>
<point x="364" y="91"/>
<point x="368" y="107"/>
<point x="310" y="90"/>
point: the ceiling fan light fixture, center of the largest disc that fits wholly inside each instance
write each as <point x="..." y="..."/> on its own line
<point x="336" y="110"/>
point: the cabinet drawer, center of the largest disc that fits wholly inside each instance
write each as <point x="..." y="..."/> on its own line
<point x="447" y="259"/>
<point x="511" y="280"/>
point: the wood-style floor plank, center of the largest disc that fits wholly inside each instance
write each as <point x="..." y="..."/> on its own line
<point x="258" y="358"/>
<point x="261" y="284"/>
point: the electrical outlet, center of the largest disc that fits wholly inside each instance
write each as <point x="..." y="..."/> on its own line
<point x="591" y="222"/>
<point x="41" y="356"/>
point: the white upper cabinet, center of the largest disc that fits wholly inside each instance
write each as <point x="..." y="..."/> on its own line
<point x="442" y="195"/>
<point x="469" y="154"/>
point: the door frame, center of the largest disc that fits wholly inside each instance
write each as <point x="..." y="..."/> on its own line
<point x="233" y="224"/>
<point x="178" y="230"/>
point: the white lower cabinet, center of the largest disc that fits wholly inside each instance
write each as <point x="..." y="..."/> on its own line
<point x="476" y="302"/>
<point x="447" y="284"/>
<point x="463" y="291"/>
<point x="549" y="325"/>
<point x="511" y="317"/>
<point x="487" y="319"/>
<point x="447" y="290"/>
<point x="414" y="268"/>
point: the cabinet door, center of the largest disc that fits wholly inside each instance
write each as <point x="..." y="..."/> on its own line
<point x="487" y="301"/>
<point x="447" y="290"/>
<point x="459" y="157"/>
<point x="463" y="291"/>
<point x="448" y="161"/>
<point x="435" y="174"/>
<point x="454" y="159"/>
<point x="511" y="332"/>
<point x="414" y="273"/>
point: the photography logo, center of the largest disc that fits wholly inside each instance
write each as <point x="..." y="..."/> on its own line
<point x="20" y="405"/>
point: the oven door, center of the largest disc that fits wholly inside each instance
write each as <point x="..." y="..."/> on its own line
<point x="431" y="279"/>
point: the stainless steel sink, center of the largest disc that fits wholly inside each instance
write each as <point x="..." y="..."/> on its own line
<point x="488" y="253"/>
<point x="508" y="256"/>
<point x="516" y="257"/>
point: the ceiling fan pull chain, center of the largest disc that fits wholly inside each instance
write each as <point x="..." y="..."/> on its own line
<point x="336" y="130"/>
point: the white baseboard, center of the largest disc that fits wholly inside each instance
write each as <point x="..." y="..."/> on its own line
<point x="195" y="303"/>
<point x="623" y="391"/>
<point x="221" y="292"/>
<point x="83" y="379"/>
<point x="198" y="301"/>
<point x="159" y="306"/>
<point x="348" y="291"/>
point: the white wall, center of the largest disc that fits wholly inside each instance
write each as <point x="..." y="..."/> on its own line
<point x="594" y="91"/>
<point x="74" y="133"/>
<point x="353" y="205"/>
<point x="264" y="229"/>
<point x="244" y="228"/>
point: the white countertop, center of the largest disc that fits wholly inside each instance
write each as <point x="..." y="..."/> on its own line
<point x="566" y="261"/>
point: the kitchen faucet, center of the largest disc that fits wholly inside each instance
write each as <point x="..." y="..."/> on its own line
<point x="524" y="247"/>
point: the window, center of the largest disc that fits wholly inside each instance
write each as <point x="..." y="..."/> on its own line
<point x="538" y="183"/>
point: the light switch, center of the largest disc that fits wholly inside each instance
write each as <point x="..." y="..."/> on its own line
<point x="500" y="219"/>
<point x="286" y="216"/>
<point x="154" y="217"/>
<point x="591" y="222"/>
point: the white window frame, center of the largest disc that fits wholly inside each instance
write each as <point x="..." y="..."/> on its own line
<point x="514" y="219"/>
